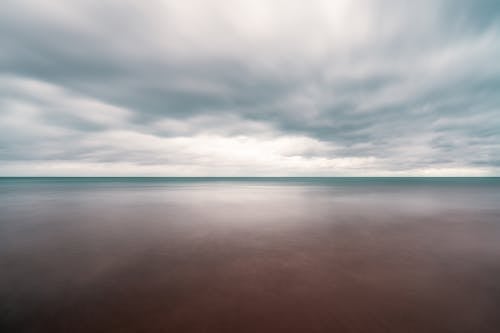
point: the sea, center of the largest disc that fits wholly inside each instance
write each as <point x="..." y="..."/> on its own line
<point x="243" y="254"/>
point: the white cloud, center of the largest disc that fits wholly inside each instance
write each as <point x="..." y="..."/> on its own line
<point x="274" y="87"/>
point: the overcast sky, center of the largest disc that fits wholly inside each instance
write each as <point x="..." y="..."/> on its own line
<point x="250" y="88"/>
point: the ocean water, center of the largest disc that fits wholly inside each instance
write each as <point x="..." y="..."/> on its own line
<point x="250" y="255"/>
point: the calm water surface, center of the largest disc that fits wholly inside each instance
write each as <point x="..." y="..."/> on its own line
<point x="249" y="255"/>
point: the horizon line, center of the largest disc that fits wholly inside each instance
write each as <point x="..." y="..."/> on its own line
<point x="228" y="177"/>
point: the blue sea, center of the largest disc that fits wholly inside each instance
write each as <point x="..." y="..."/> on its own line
<point x="291" y="254"/>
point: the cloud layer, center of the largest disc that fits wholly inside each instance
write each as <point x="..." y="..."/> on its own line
<point x="242" y="87"/>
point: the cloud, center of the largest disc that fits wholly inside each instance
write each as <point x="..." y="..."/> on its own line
<point x="250" y="87"/>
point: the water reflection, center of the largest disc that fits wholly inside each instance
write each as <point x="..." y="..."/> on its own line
<point x="249" y="256"/>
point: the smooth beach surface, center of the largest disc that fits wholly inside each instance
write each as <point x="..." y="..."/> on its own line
<point x="250" y="255"/>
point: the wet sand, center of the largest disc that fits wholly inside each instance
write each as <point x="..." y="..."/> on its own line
<point x="249" y="257"/>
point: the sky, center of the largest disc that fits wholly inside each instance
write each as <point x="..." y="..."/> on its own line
<point x="250" y="88"/>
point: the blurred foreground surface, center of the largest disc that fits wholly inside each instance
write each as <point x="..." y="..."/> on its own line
<point x="249" y="255"/>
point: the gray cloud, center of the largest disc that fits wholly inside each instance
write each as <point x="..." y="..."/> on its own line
<point x="250" y="87"/>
